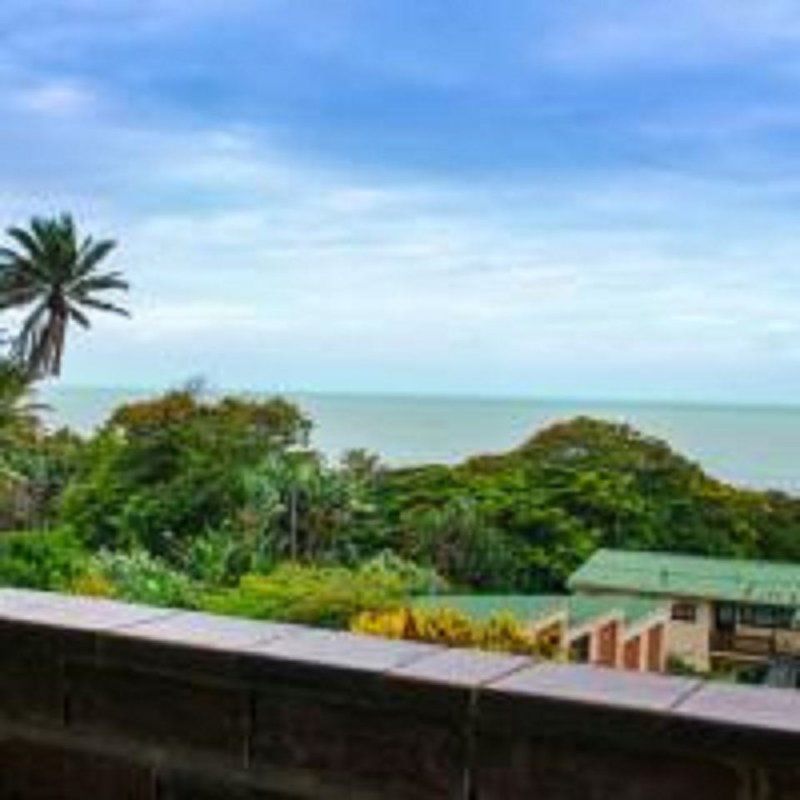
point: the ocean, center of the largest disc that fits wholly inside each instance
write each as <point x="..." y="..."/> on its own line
<point x="747" y="445"/>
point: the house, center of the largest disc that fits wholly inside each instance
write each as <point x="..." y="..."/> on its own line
<point x="614" y="631"/>
<point x="722" y="611"/>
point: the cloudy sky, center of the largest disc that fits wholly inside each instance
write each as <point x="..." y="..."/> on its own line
<point x="512" y="197"/>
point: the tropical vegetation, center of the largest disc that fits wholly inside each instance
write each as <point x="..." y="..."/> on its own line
<point x="197" y="500"/>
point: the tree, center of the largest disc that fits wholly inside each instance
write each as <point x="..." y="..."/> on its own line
<point x="17" y="428"/>
<point x="17" y="410"/>
<point x="52" y="274"/>
<point x="305" y="510"/>
<point x="166" y="470"/>
<point x="576" y="486"/>
<point x="456" y="540"/>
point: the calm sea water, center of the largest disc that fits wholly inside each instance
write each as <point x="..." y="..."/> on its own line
<point x="755" y="446"/>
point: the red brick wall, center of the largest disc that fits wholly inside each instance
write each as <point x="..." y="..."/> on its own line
<point x="655" y="648"/>
<point x="607" y="645"/>
<point x="632" y="653"/>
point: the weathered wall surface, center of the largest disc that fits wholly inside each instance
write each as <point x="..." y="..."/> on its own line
<point x="105" y="701"/>
<point x="689" y="640"/>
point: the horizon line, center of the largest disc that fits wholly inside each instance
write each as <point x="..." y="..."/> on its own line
<point x="213" y="389"/>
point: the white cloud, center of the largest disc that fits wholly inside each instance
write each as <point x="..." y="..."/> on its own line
<point x="57" y="98"/>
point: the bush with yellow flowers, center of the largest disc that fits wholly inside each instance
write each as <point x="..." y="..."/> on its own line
<point x="447" y="626"/>
<point x="92" y="584"/>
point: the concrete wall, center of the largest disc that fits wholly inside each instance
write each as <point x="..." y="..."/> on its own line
<point x="689" y="641"/>
<point x="105" y="701"/>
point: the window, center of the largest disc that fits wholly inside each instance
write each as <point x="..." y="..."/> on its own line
<point x="684" y="612"/>
<point x="725" y="617"/>
<point x="766" y="616"/>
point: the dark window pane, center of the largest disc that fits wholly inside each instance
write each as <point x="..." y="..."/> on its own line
<point x="684" y="612"/>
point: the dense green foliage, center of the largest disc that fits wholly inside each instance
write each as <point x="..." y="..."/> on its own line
<point x="40" y="559"/>
<point x="572" y="488"/>
<point x="164" y="471"/>
<point x="189" y="501"/>
<point x="328" y="596"/>
<point x="138" y="577"/>
<point x="35" y="464"/>
<point x="291" y="592"/>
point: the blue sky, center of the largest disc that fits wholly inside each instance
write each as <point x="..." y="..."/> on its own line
<point x="542" y="198"/>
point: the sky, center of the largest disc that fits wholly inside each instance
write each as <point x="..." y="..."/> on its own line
<point x="507" y="197"/>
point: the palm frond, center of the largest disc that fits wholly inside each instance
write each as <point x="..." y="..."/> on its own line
<point x="30" y="243"/>
<point x="102" y="305"/>
<point x="17" y="297"/>
<point x="109" y="281"/>
<point x="92" y="253"/>
<point x="79" y="317"/>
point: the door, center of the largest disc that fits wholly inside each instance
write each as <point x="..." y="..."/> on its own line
<point x="724" y="634"/>
<point x="725" y="617"/>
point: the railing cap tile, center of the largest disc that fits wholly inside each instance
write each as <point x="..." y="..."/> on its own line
<point x="745" y="706"/>
<point x="12" y="600"/>
<point x="319" y="647"/>
<point x="595" y="685"/>
<point x="72" y="612"/>
<point x="461" y="668"/>
<point x="213" y="631"/>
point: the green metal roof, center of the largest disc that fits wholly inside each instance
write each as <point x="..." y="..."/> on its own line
<point x="666" y="574"/>
<point x="529" y="608"/>
<point x="633" y="609"/>
<point x="483" y="606"/>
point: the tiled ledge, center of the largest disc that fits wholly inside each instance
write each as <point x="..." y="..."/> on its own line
<point x="752" y="707"/>
<point x="177" y="696"/>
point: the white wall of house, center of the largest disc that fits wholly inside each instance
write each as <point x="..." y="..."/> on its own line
<point x="689" y="641"/>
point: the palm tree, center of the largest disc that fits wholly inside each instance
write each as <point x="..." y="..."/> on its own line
<point x="54" y="276"/>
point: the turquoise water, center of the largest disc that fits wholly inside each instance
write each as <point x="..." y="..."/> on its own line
<point x="755" y="446"/>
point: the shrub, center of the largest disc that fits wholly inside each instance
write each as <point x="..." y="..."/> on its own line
<point x="137" y="577"/>
<point x="40" y="559"/>
<point x="415" y="578"/>
<point x="221" y="557"/>
<point x="92" y="584"/>
<point x="446" y="626"/>
<point x="328" y="596"/>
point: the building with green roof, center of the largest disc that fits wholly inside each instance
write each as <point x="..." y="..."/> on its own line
<point x="721" y="609"/>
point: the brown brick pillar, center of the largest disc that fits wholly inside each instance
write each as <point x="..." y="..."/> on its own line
<point x="655" y="648"/>
<point x="607" y="638"/>
<point x="631" y="657"/>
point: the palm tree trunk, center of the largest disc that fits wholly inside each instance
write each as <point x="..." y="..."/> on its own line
<point x="59" y="333"/>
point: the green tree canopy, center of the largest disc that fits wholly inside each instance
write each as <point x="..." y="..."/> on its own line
<point x="168" y="469"/>
<point x="572" y="488"/>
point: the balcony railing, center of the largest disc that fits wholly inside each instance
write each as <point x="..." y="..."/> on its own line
<point x="745" y="644"/>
